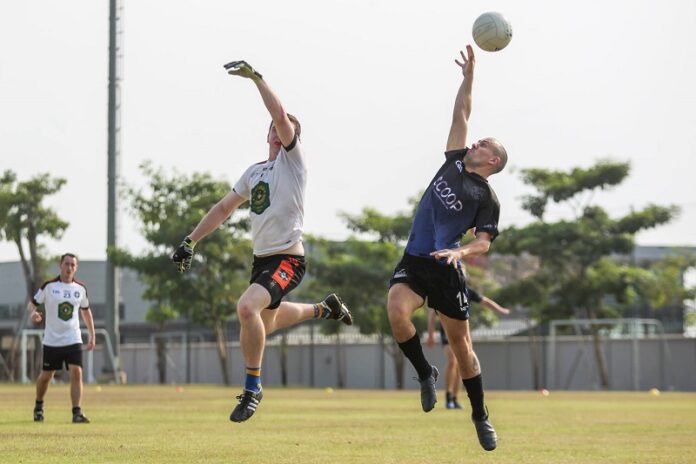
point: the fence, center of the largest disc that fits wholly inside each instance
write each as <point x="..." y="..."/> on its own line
<point x="664" y="362"/>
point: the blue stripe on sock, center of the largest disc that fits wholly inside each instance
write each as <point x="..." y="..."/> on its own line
<point x="252" y="382"/>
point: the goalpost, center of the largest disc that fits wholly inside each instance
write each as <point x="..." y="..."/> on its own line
<point x="635" y="324"/>
<point x="89" y="361"/>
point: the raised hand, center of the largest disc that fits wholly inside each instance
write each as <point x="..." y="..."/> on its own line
<point x="467" y="63"/>
<point x="243" y="69"/>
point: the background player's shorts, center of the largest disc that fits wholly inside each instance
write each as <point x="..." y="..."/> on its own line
<point x="279" y="274"/>
<point x="54" y="357"/>
<point x="442" y="285"/>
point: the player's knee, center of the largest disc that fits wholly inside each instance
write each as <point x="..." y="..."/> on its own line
<point x="245" y="311"/>
<point x="397" y="314"/>
<point x="462" y="345"/>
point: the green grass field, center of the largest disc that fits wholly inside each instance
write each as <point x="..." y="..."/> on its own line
<point x="158" y="424"/>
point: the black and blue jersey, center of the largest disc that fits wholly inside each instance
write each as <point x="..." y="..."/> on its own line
<point x="454" y="202"/>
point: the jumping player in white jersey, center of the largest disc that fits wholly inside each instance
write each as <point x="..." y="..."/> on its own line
<point x="63" y="298"/>
<point x="458" y="199"/>
<point x="275" y="189"/>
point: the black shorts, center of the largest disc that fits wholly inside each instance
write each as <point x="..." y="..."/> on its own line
<point x="54" y="357"/>
<point x="279" y="274"/>
<point x="443" y="286"/>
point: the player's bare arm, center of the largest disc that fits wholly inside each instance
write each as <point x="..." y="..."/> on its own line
<point x="478" y="246"/>
<point x="494" y="306"/>
<point x="283" y="125"/>
<point x="462" y="103"/>
<point x="34" y="315"/>
<point x="89" y="322"/>
<point x="217" y="215"/>
<point x="223" y="209"/>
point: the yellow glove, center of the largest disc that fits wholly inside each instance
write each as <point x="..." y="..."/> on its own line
<point x="242" y="68"/>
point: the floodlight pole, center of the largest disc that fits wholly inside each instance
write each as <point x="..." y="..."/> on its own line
<point x="113" y="280"/>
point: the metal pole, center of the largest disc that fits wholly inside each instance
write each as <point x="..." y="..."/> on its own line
<point x="552" y="355"/>
<point x="188" y="351"/>
<point x="25" y="378"/>
<point x="635" y="355"/>
<point x="111" y="316"/>
<point x="311" y="352"/>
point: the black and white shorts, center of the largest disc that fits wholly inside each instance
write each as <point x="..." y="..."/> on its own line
<point x="279" y="274"/>
<point x="443" y="286"/>
<point x="55" y="357"/>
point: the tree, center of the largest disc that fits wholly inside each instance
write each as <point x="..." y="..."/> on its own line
<point x="160" y="314"/>
<point x="358" y="271"/>
<point x="577" y="277"/>
<point x="24" y="220"/>
<point x="208" y="294"/>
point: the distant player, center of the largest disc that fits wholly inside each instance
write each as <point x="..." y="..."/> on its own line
<point x="457" y="199"/>
<point x="452" y="375"/>
<point x="63" y="298"/>
<point x="275" y="189"/>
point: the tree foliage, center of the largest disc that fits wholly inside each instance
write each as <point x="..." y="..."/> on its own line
<point x="359" y="271"/>
<point x="579" y="275"/>
<point x="559" y="186"/>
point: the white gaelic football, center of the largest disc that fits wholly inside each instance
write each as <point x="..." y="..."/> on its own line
<point x="492" y="31"/>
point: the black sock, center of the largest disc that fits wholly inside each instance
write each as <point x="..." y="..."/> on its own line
<point x="474" y="389"/>
<point x="76" y="410"/>
<point x="448" y="397"/>
<point x="38" y="406"/>
<point x="413" y="350"/>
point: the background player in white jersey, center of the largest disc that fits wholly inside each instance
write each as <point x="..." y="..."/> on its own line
<point x="63" y="298"/>
<point x="452" y="374"/>
<point x="275" y="189"/>
<point x="458" y="198"/>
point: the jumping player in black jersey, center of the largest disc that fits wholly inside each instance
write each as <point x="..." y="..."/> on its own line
<point x="458" y="198"/>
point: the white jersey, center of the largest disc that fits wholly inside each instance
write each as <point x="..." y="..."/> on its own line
<point x="62" y="302"/>
<point x="276" y="190"/>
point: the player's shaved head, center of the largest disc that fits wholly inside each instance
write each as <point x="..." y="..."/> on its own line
<point x="499" y="151"/>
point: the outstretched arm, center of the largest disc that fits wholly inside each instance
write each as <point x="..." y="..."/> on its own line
<point x="462" y="103"/>
<point x="492" y="305"/>
<point x="183" y="255"/>
<point x="283" y="125"/>
<point x="217" y="215"/>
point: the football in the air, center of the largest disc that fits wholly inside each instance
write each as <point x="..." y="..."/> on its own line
<point x="492" y="31"/>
